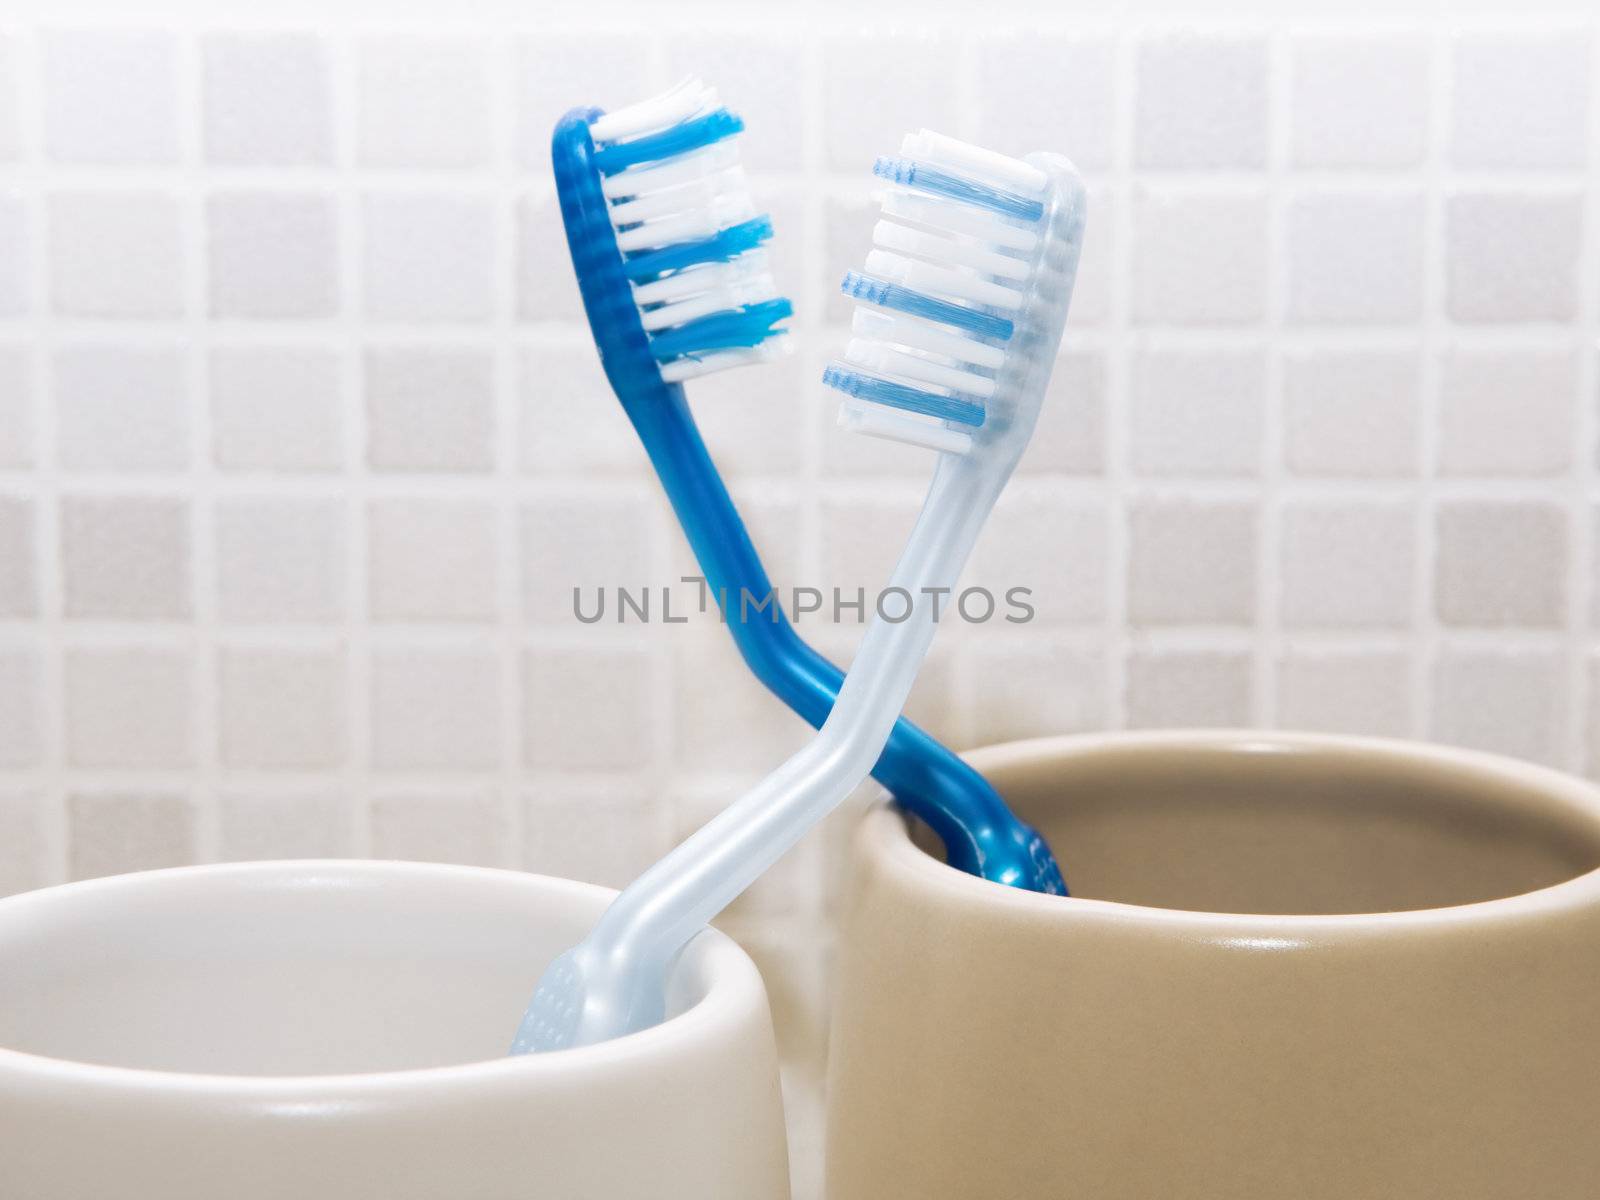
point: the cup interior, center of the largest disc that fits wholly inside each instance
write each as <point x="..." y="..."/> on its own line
<point x="1283" y="824"/>
<point x="313" y="968"/>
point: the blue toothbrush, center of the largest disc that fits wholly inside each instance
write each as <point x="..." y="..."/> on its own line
<point x="667" y="249"/>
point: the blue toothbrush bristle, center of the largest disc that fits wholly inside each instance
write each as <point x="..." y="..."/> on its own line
<point x="952" y="261"/>
<point x="691" y="239"/>
<point x="723" y="246"/>
<point x="923" y="178"/>
<point x="902" y="396"/>
<point x="669" y="143"/>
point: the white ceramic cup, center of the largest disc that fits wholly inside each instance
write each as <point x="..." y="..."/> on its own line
<point x="329" y="1030"/>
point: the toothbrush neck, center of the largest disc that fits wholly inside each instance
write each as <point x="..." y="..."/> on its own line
<point x="656" y="915"/>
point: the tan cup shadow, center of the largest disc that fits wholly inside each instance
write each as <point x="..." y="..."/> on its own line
<point x="1421" y="1019"/>
<point x="338" y="1030"/>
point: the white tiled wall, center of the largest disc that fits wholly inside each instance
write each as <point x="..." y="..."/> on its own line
<point x="302" y="443"/>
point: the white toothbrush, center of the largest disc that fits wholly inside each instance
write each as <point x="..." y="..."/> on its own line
<point x="964" y="303"/>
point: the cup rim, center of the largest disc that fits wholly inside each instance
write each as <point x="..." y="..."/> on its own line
<point x="733" y="989"/>
<point x="884" y="835"/>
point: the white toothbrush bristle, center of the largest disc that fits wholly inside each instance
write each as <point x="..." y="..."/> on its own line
<point x="690" y="232"/>
<point x="950" y="270"/>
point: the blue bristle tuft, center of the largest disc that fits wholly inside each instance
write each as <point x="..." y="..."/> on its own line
<point x="916" y="304"/>
<point x="735" y="329"/>
<point x="679" y="139"/>
<point x="722" y="246"/>
<point x="932" y="180"/>
<point x="899" y="395"/>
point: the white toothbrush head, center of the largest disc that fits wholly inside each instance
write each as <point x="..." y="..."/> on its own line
<point x="963" y="298"/>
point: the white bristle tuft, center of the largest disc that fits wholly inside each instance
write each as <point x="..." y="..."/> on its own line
<point x="966" y="159"/>
<point x="689" y="99"/>
<point x="682" y="369"/>
<point x="874" y="420"/>
<point x="958" y="251"/>
<point x="942" y="281"/>
<point x="917" y="334"/>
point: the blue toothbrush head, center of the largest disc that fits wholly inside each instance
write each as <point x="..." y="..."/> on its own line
<point x="666" y="240"/>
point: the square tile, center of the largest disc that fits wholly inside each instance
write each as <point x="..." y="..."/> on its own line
<point x="1197" y="412"/>
<point x="113" y="833"/>
<point x="22" y="841"/>
<point x="1507" y="412"/>
<point x="1352" y="413"/>
<point x="1070" y="437"/>
<point x="1512" y="257"/>
<point x="1520" y="99"/>
<point x="470" y="828"/>
<point x="756" y="425"/>
<point x="573" y="545"/>
<point x="268" y="99"/>
<point x="432" y="559"/>
<point x="878" y="87"/>
<point x="1505" y="702"/>
<point x="282" y="710"/>
<point x="128" y="707"/>
<point x="1501" y="563"/>
<point x="1359" y="100"/>
<point x="423" y="100"/>
<point x="126" y="558"/>
<point x="10" y="118"/>
<point x="1355" y="259"/>
<point x="590" y="709"/>
<point x="569" y="419"/>
<point x="276" y="408"/>
<point x="19" y="587"/>
<point x="121" y="408"/>
<point x="1052" y="553"/>
<point x="1202" y="101"/>
<point x="599" y="834"/>
<point x="16" y="408"/>
<point x="1188" y="689"/>
<point x="547" y="290"/>
<point x="17" y="423"/>
<point x="1355" y="692"/>
<point x="435" y="708"/>
<point x="1191" y="563"/>
<point x="273" y="255"/>
<point x="1199" y="258"/>
<point x="264" y="826"/>
<point x="1040" y="91"/>
<point x="557" y="70"/>
<point x="710" y="681"/>
<point x="1348" y="563"/>
<point x="137" y="230"/>
<point x="430" y="409"/>
<point x="429" y="257"/>
<point x="759" y="76"/>
<point x="280" y="559"/>
<point x="86" y="75"/>
<point x="21" y="708"/>
<point x="16" y="256"/>
<point x="847" y="224"/>
<point x="861" y="542"/>
<point x="1022" y="689"/>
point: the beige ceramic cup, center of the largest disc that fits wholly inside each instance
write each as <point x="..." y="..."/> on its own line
<point x="337" y="1031"/>
<point x="1295" y="968"/>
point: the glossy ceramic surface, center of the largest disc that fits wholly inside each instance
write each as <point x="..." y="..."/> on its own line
<point x="1293" y="966"/>
<point x="337" y="1031"/>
